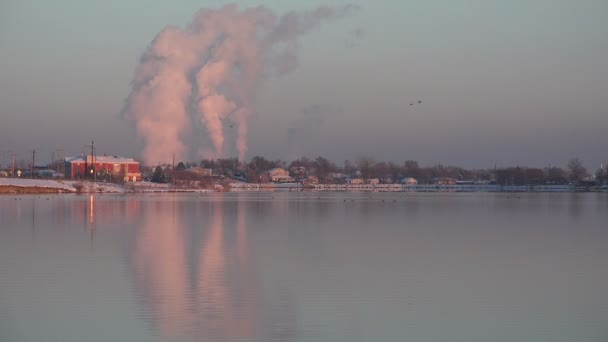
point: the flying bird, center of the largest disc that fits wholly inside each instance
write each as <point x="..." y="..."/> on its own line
<point x="419" y="101"/>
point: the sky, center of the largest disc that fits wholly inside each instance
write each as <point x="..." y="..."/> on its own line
<point x="501" y="82"/>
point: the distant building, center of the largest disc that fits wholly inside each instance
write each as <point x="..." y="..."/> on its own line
<point x="126" y="169"/>
<point x="356" y="181"/>
<point x="200" y="171"/>
<point x="336" y="177"/>
<point x="443" y="181"/>
<point x="386" y="180"/>
<point x="310" y="180"/>
<point x="409" y="181"/>
<point x="279" y="175"/>
<point x="373" y="181"/>
<point x="45" y="173"/>
<point x="298" y="171"/>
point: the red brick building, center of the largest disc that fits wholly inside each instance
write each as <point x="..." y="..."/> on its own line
<point x="113" y="167"/>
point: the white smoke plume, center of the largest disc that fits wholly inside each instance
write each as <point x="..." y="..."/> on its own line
<point x="209" y="72"/>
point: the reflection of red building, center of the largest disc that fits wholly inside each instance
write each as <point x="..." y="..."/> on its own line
<point x="126" y="169"/>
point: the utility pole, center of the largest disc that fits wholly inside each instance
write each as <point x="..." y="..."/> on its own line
<point x="33" y="163"/>
<point x="93" y="161"/>
<point x="59" y="154"/>
<point x="92" y="169"/>
<point x="13" y="175"/>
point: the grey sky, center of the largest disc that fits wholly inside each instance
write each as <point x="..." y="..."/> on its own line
<point x="517" y="82"/>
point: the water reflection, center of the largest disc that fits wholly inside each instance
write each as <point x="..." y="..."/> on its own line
<point x="575" y="205"/>
<point x="160" y="273"/>
<point x="214" y="298"/>
<point x="286" y="267"/>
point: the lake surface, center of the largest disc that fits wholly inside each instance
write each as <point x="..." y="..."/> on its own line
<point x="304" y="267"/>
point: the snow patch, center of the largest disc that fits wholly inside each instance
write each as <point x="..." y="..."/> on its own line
<point x="40" y="183"/>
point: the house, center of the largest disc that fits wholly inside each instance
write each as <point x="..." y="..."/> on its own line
<point x="409" y="181"/>
<point x="443" y="181"/>
<point x="46" y="173"/>
<point x="113" y="167"/>
<point x="373" y="181"/>
<point x="336" y="178"/>
<point x="279" y="175"/>
<point x="336" y="175"/>
<point x="310" y="180"/>
<point x="200" y="171"/>
<point x="298" y="171"/>
<point x="356" y="181"/>
<point x="386" y="180"/>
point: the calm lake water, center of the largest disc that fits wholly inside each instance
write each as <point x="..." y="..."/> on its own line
<point x="304" y="267"/>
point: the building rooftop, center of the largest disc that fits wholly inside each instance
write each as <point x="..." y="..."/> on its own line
<point x="103" y="159"/>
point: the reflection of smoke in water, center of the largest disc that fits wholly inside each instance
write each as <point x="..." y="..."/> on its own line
<point x="212" y="295"/>
<point x="212" y="68"/>
<point x="160" y="269"/>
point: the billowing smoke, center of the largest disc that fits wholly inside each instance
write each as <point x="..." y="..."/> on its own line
<point x="208" y="73"/>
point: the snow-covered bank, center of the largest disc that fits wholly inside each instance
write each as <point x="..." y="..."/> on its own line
<point x="19" y="185"/>
<point x="36" y="186"/>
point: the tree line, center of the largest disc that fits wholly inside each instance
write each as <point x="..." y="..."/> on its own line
<point x="367" y="168"/>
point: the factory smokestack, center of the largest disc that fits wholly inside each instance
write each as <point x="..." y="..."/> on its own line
<point x="209" y="73"/>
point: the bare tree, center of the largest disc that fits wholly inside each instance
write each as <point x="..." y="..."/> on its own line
<point x="380" y="170"/>
<point x="349" y="168"/>
<point x="411" y="169"/>
<point x="323" y="167"/>
<point x="365" y="164"/>
<point x="601" y="175"/>
<point x="555" y="175"/>
<point x="576" y="169"/>
<point x="395" y="172"/>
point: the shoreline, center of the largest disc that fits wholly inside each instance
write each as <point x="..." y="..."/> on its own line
<point x="37" y="190"/>
<point x="17" y="186"/>
<point x="31" y="190"/>
<point x="12" y="186"/>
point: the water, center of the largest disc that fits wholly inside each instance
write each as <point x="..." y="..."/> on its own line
<point x="304" y="267"/>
